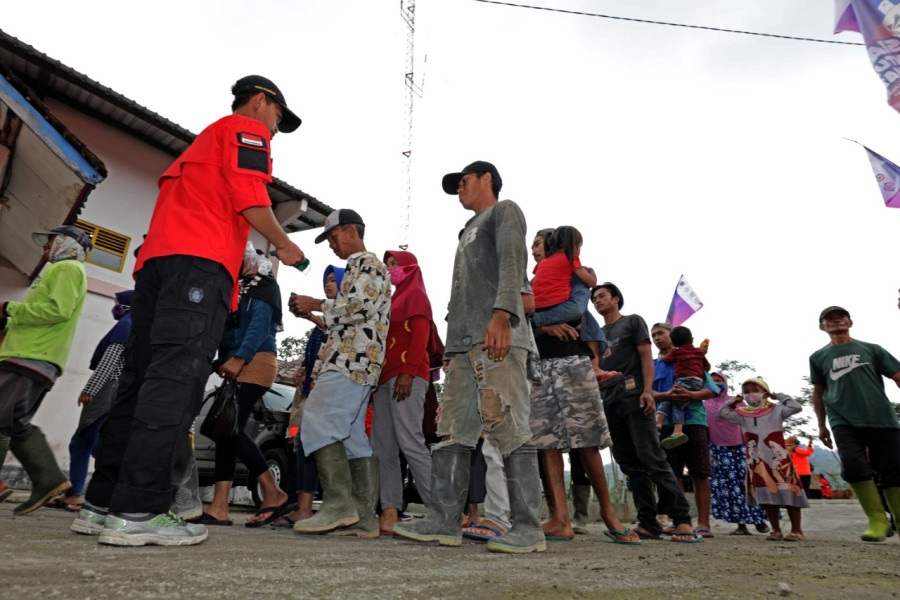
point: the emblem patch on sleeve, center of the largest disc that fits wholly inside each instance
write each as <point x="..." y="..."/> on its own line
<point x="251" y="139"/>
<point x="252" y="152"/>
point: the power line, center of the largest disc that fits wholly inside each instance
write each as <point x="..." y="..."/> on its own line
<point x="587" y="14"/>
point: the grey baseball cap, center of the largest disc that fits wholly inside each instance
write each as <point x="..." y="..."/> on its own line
<point x="40" y="237"/>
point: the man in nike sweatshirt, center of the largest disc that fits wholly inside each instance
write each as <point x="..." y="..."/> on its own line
<point x="848" y="388"/>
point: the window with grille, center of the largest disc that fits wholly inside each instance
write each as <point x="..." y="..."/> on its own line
<point x="110" y="248"/>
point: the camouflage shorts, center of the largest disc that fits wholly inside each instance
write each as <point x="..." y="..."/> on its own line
<point x="566" y="411"/>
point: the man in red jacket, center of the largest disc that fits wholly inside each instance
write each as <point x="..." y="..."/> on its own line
<point x="185" y="276"/>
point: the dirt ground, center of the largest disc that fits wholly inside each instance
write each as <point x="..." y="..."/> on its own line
<point x="43" y="559"/>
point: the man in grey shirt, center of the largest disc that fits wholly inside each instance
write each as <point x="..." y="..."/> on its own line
<point x="486" y="351"/>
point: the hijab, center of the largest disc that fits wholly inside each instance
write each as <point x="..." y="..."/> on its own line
<point x="120" y="331"/>
<point x="338" y="275"/>
<point x="409" y="298"/>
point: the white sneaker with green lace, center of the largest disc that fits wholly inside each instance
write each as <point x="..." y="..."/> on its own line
<point x="89" y="521"/>
<point x="166" y="529"/>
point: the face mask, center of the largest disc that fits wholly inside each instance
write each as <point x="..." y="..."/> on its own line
<point x="722" y="387"/>
<point x="118" y="311"/>
<point x="754" y="400"/>
<point x="398" y="274"/>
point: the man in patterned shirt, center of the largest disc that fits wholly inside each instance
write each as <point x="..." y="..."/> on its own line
<point x="333" y="428"/>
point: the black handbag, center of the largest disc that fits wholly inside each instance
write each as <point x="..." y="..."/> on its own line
<point x="221" y="422"/>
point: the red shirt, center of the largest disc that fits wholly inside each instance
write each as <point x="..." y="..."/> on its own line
<point x="202" y="195"/>
<point x="552" y="283"/>
<point x="406" y="349"/>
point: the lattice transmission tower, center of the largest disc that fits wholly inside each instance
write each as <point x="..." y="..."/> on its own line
<point x="408" y="13"/>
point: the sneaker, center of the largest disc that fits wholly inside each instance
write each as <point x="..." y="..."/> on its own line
<point x="674" y="440"/>
<point x="89" y="521"/>
<point x="165" y="529"/>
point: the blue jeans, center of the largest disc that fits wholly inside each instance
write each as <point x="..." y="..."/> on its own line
<point x="636" y="448"/>
<point x="81" y="448"/>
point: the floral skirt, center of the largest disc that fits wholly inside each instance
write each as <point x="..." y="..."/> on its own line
<point x="729" y="496"/>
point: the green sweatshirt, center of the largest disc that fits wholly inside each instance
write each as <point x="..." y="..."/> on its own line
<point x="42" y="325"/>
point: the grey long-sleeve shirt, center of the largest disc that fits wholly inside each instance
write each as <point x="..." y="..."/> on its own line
<point x="487" y="274"/>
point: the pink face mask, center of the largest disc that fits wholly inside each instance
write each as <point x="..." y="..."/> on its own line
<point x="398" y="274"/>
<point x="754" y="400"/>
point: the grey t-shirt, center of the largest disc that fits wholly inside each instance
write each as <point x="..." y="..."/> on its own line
<point x="624" y="336"/>
<point x="487" y="274"/>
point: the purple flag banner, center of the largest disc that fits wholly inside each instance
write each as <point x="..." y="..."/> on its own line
<point x="887" y="174"/>
<point x="879" y="23"/>
<point x="684" y="303"/>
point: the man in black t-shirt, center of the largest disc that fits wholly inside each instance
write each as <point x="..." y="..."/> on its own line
<point x="630" y="412"/>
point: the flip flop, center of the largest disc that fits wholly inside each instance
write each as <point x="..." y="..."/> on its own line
<point x="704" y="533"/>
<point x="647" y="536"/>
<point x="556" y="538"/>
<point x="56" y="503"/>
<point x="694" y="538"/>
<point x="75" y="507"/>
<point x="740" y="532"/>
<point x="283" y="522"/>
<point x="208" y="519"/>
<point x="276" y="513"/>
<point x="612" y="533"/>
<point x="490" y="532"/>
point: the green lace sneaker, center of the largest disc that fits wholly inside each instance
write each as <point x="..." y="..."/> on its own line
<point x="89" y="521"/>
<point x="165" y="529"/>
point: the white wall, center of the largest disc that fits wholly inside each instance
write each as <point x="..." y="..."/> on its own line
<point x="123" y="203"/>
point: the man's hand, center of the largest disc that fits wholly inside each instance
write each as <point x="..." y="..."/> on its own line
<point x="85" y="399"/>
<point x="231" y="368"/>
<point x="498" y="336"/>
<point x="290" y="254"/>
<point x="301" y="306"/>
<point x="403" y="387"/>
<point x="648" y="406"/>
<point x="563" y="331"/>
<point x="825" y="436"/>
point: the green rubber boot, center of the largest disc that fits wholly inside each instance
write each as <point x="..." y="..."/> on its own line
<point x="524" y="486"/>
<point x="47" y="481"/>
<point x="366" y="489"/>
<point x="867" y="494"/>
<point x="581" y="498"/>
<point x="338" y="509"/>
<point x="450" y="466"/>
<point x="892" y="495"/>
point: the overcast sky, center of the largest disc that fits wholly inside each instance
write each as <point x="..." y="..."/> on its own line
<point x="716" y="155"/>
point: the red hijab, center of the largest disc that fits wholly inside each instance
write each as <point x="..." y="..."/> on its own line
<point x="409" y="298"/>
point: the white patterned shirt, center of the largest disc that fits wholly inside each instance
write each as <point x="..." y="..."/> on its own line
<point x="357" y="321"/>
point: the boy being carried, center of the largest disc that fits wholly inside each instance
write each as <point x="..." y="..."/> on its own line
<point x="690" y="364"/>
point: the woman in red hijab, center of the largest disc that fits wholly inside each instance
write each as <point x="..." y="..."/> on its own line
<point x="400" y="397"/>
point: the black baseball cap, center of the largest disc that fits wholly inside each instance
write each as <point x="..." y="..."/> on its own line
<point x="253" y="84"/>
<point x="450" y="183"/>
<point x="342" y="216"/>
<point x="832" y="309"/>
<point x="40" y="237"/>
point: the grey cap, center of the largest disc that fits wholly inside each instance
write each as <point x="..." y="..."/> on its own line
<point x="40" y="237"/>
